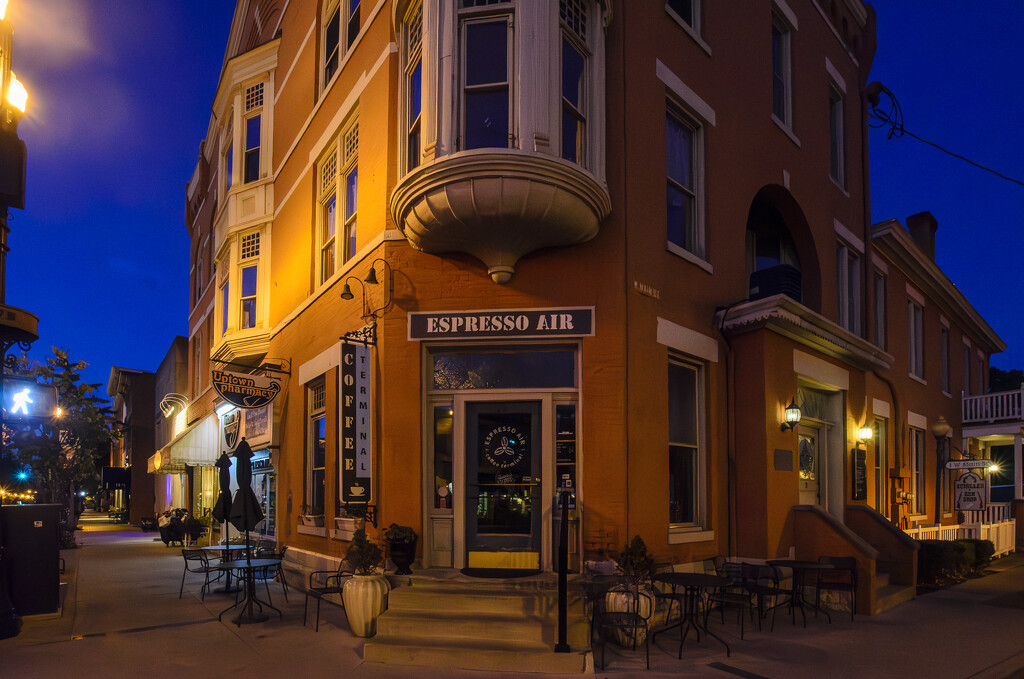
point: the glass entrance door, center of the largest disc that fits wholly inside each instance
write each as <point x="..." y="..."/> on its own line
<point x="810" y="466"/>
<point x="504" y="454"/>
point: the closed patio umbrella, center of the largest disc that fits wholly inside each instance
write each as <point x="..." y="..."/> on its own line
<point x="246" y="512"/>
<point x="222" y="508"/>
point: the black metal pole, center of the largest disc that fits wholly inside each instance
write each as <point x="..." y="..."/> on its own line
<point x="9" y="621"/>
<point x="563" y="568"/>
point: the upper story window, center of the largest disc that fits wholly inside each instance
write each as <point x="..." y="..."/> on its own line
<point x="686" y="462"/>
<point x="915" y="341"/>
<point x="687" y="11"/>
<point x="253" y="105"/>
<point x="781" y="70"/>
<point x="338" y="190"/>
<point x="316" y="457"/>
<point x="197" y="369"/>
<point x="486" y="57"/>
<point x="837" y="151"/>
<point x="413" y="89"/>
<point x="880" y="306"/>
<point x="683" y="140"/>
<point x="340" y="13"/>
<point x="249" y="262"/>
<point x="967" y="369"/>
<point x="944" y="348"/>
<point x="229" y="161"/>
<point x="573" y="17"/>
<point x="848" y="287"/>
<point x="199" y="280"/>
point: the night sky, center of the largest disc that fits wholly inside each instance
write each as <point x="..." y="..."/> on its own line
<point x="119" y="99"/>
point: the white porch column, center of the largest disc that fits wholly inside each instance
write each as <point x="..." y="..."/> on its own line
<point x="1018" y="468"/>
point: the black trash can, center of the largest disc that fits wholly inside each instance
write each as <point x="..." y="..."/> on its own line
<point x="31" y="538"/>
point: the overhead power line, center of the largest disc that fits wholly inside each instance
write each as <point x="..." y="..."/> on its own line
<point x="892" y="117"/>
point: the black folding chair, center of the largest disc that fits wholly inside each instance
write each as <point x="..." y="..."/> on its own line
<point x="841" y="578"/>
<point x="196" y="561"/>
<point x="323" y="583"/>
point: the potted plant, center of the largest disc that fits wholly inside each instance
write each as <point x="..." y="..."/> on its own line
<point x="365" y="593"/>
<point x="401" y="547"/>
<point x="636" y="566"/>
<point x="348" y="521"/>
<point x="312" y="516"/>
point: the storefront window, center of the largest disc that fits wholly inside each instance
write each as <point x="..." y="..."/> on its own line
<point x="549" y="369"/>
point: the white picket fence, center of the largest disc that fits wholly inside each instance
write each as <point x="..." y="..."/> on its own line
<point x="995" y="524"/>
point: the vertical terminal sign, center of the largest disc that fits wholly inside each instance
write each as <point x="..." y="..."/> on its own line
<point x="356" y="423"/>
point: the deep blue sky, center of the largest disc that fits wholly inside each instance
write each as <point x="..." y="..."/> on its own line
<point x="120" y="94"/>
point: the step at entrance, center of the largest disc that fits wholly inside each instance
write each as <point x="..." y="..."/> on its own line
<point x="470" y="624"/>
<point x="888" y="595"/>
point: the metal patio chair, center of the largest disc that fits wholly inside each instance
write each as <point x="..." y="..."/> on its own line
<point x="323" y="583"/>
<point x="196" y="561"/>
<point x="841" y="578"/>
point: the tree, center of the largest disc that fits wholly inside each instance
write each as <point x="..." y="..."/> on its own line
<point x="1004" y="380"/>
<point x="67" y="450"/>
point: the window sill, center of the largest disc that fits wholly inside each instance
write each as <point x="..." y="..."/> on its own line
<point x="917" y="379"/>
<point x="947" y="394"/>
<point x="689" y="30"/>
<point x="787" y="130"/>
<point x="839" y="185"/>
<point x="320" y="531"/>
<point x="689" y="256"/>
<point x="678" y="536"/>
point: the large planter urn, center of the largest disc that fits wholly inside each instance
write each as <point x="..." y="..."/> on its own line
<point x="622" y="601"/>
<point x="365" y="597"/>
<point x="402" y="554"/>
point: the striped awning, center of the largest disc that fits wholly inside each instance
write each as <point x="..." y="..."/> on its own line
<point x="194" y="447"/>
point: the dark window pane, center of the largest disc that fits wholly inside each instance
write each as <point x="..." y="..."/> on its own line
<point x="229" y="164"/>
<point x="682" y="484"/>
<point x="331" y="46"/>
<point x="414" y="148"/>
<point x="679" y="151"/>
<point x="680" y="218"/>
<point x="571" y="133"/>
<point x="415" y="91"/>
<point x="682" y="404"/>
<point x="353" y="23"/>
<point x="443" y="457"/>
<point x="224" y="304"/>
<point x="684" y="8"/>
<point x="320" y="442"/>
<point x="350" y="193"/>
<point x="248" y="313"/>
<point x="249" y="281"/>
<point x="511" y="370"/>
<point x="486" y="52"/>
<point x="487" y="119"/>
<point x="572" y="74"/>
<point x="252" y="133"/>
<point x="252" y="166"/>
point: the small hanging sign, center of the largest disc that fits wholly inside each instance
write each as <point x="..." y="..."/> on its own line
<point x="969" y="491"/>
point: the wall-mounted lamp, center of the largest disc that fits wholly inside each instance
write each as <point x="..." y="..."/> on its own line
<point x="792" y="417"/>
<point x="865" y="434"/>
<point x="369" y="311"/>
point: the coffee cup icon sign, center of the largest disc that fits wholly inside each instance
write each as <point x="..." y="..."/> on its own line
<point x="356" y="490"/>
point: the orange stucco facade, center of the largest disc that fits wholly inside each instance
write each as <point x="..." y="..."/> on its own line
<point x="696" y="470"/>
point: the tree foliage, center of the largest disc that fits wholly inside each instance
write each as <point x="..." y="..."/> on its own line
<point x="66" y="450"/>
<point x="1004" y="380"/>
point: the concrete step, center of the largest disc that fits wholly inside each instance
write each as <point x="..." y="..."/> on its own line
<point x="893" y="595"/>
<point x="473" y="655"/>
<point x="502" y="600"/>
<point x="458" y="624"/>
<point x="882" y="579"/>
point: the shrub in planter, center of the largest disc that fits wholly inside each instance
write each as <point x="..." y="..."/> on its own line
<point x="401" y="547"/>
<point x="365" y="594"/>
<point x="636" y="565"/>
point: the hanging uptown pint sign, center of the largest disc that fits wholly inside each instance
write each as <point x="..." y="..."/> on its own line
<point x="356" y="423"/>
<point x="245" y="391"/>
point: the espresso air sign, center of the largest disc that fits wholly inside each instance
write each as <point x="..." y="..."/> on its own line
<point x="245" y="391"/>
<point x="356" y="423"/>
<point x="518" y="323"/>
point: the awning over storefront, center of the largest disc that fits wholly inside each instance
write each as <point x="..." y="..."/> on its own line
<point x="196" y="446"/>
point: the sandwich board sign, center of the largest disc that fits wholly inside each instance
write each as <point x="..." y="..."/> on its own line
<point x="969" y="491"/>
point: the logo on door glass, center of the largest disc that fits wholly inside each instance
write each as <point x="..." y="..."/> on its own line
<point x="504" y="447"/>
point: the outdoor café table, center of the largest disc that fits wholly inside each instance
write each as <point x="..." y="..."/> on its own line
<point x="249" y="568"/>
<point x="800" y="570"/>
<point x="225" y="555"/>
<point x="694" y="585"/>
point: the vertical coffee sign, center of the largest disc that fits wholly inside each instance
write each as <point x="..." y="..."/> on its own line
<point x="356" y="423"/>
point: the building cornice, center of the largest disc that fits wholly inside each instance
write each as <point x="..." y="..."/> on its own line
<point x="895" y="244"/>
<point x="787" y="317"/>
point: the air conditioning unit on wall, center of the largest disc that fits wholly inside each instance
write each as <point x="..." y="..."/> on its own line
<point x="782" y="279"/>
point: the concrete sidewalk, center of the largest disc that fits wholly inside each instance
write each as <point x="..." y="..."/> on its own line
<point x="123" y="613"/>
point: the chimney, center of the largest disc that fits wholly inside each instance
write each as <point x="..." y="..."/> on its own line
<point x="922" y="227"/>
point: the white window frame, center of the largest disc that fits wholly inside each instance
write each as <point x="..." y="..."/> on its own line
<point x="915" y="338"/>
<point x="700" y="490"/>
<point x="581" y="112"/>
<point x="316" y="410"/>
<point x="944" y="355"/>
<point x="782" y="69"/>
<point x="696" y="192"/>
<point x="878" y="287"/>
<point x="916" y="459"/>
<point x="848" y="286"/>
<point x="256" y="150"/>
<point x="466" y="16"/>
<point x="692" y="24"/>
<point x="837" y="136"/>
<point x="412" y="59"/>
<point x="339" y="246"/>
<point x="341" y="10"/>
<point x="967" y="367"/>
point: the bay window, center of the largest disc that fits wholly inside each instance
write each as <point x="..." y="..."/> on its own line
<point x="486" y="59"/>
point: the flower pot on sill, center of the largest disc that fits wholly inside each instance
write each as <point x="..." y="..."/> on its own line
<point x="365" y="597"/>
<point x="348" y="523"/>
<point x="313" y="520"/>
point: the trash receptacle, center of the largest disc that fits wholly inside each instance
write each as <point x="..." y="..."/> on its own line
<point x="31" y="537"/>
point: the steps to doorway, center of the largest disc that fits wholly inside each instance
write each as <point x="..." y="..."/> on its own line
<point x="479" y="625"/>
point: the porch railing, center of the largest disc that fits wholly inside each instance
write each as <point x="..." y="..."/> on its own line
<point x="996" y="523"/>
<point x="1001" y="406"/>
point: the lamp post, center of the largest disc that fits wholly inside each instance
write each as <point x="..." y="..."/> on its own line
<point x="17" y="327"/>
<point x="940" y="430"/>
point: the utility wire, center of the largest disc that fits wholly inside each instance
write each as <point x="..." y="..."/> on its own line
<point x="892" y="117"/>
